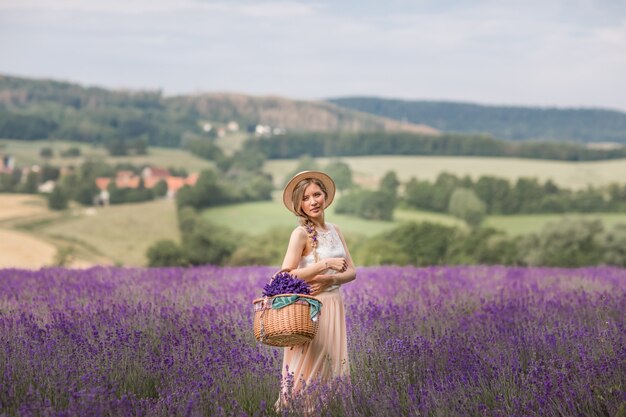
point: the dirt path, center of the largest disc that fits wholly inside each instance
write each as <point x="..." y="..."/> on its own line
<point x="20" y="250"/>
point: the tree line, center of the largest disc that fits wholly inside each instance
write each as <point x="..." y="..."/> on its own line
<point x="337" y="144"/>
<point x="570" y="242"/>
<point x="123" y="122"/>
<point x="506" y="122"/>
<point x="525" y="196"/>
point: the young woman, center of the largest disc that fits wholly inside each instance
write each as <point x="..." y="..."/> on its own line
<point x="317" y="253"/>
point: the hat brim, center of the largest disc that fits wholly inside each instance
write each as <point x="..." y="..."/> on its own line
<point x="291" y="185"/>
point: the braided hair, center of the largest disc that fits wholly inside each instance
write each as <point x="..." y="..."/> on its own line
<point x="303" y="219"/>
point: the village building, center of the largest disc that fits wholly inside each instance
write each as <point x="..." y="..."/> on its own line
<point x="7" y="163"/>
<point x="150" y="176"/>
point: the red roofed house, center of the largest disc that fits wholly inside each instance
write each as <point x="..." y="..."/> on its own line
<point x="151" y="177"/>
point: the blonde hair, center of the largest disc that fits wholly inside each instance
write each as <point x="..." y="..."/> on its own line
<point x="303" y="219"/>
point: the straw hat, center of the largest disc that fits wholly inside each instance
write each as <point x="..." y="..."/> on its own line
<point x="291" y="185"/>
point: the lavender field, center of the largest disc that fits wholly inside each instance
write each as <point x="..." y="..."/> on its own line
<point x="465" y="341"/>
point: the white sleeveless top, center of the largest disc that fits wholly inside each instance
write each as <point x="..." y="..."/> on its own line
<point x="329" y="245"/>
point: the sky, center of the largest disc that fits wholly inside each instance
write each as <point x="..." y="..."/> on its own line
<point x="549" y="53"/>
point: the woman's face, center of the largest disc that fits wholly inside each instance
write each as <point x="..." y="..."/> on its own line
<point x="313" y="201"/>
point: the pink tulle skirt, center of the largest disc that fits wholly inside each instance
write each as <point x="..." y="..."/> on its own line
<point x="326" y="356"/>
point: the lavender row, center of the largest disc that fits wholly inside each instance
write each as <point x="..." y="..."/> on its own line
<point x="431" y="341"/>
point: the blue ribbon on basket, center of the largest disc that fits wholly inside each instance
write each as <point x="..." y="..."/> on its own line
<point x="284" y="301"/>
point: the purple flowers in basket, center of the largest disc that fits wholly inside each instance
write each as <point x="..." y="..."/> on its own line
<point x="285" y="283"/>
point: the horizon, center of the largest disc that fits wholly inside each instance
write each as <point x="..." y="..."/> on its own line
<point x="554" y="54"/>
<point x="324" y="99"/>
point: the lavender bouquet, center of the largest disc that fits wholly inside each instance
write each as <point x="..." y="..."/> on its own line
<point x="285" y="283"/>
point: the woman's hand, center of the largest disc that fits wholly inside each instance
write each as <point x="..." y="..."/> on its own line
<point x="319" y="283"/>
<point x="337" y="264"/>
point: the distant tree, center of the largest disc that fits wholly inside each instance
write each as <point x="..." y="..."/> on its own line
<point x="527" y="195"/>
<point x="187" y="219"/>
<point x="30" y="186"/>
<point x="341" y="174"/>
<point x="390" y="183"/>
<point x="166" y="253"/>
<point x="371" y="205"/>
<point x="567" y="243"/>
<point x="495" y="193"/>
<point x="57" y="200"/>
<point x="423" y="243"/>
<point x="465" y="205"/>
<point x="46" y="153"/>
<point x="419" y="194"/>
<point x="248" y="159"/>
<point x="378" y="251"/>
<point x="208" y="192"/>
<point x="185" y="197"/>
<point x="481" y="246"/>
<point x="85" y="192"/>
<point x="140" y="146"/>
<point x="264" y="249"/>
<point x="209" y="244"/>
<point x="116" y="147"/>
<point x="49" y="172"/>
<point x="443" y="187"/>
<point x="255" y="187"/>
<point x="613" y="243"/>
<point x="7" y="184"/>
<point x="72" y="152"/>
<point x="116" y="195"/>
<point x="205" y="149"/>
<point x="305" y="163"/>
<point x="160" y="189"/>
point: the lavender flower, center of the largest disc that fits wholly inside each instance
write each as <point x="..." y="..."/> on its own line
<point x="285" y="283"/>
<point x="451" y="341"/>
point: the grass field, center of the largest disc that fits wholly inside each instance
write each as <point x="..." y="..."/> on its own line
<point x="258" y="217"/>
<point x="368" y="170"/>
<point x="232" y="142"/>
<point x="27" y="153"/>
<point x="16" y="206"/>
<point x="23" y="250"/>
<point x="121" y="233"/>
<point x="118" y="234"/>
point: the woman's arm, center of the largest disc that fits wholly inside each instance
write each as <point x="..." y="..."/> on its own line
<point x="350" y="273"/>
<point x="320" y="282"/>
<point x="297" y="245"/>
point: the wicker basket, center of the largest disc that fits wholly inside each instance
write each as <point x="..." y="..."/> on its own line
<point x="287" y="326"/>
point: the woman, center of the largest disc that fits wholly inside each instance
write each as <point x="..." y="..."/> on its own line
<point x="317" y="253"/>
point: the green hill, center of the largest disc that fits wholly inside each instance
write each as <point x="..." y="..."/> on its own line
<point x="45" y="109"/>
<point x="503" y="122"/>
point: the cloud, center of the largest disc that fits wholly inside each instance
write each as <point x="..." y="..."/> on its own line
<point x="278" y="9"/>
<point x="135" y="7"/>
<point x="549" y="51"/>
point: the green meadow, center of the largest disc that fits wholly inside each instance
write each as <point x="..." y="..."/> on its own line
<point x="258" y="217"/>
